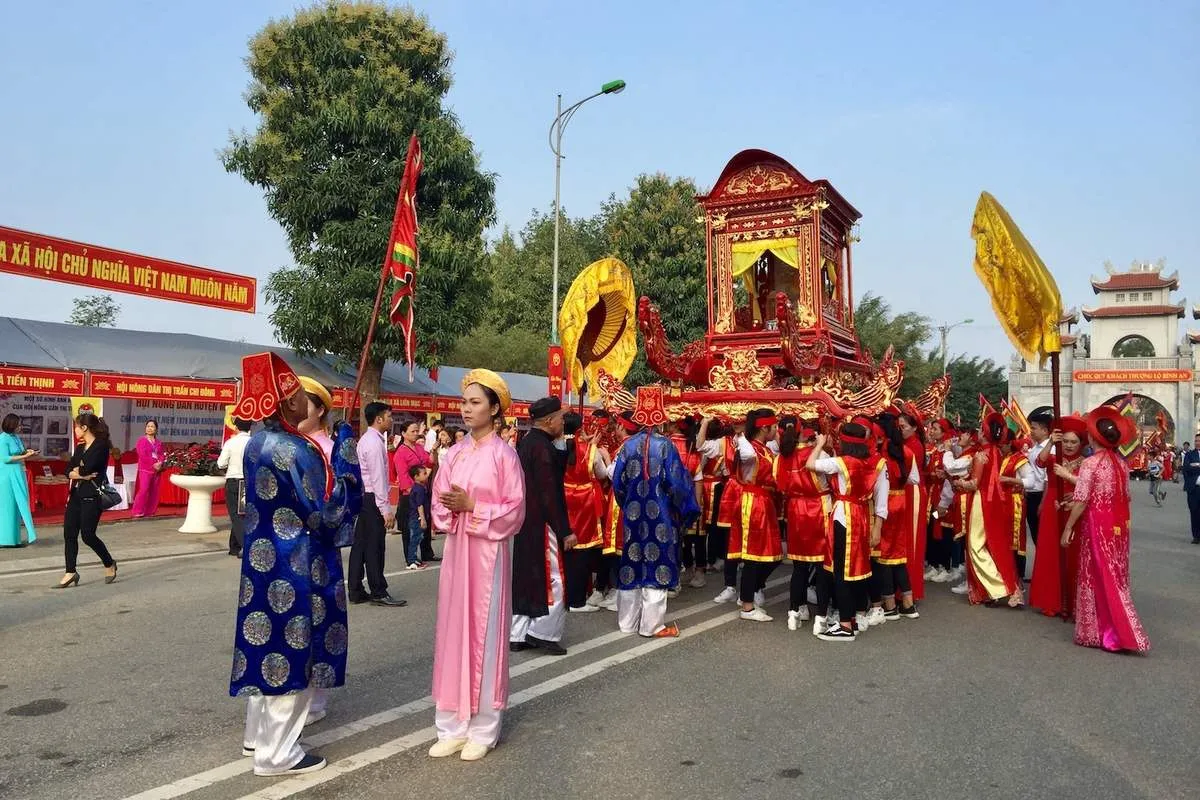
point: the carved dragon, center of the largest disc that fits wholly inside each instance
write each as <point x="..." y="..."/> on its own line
<point x="688" y="367"/>
<point x="613" y="394"/>
<point x="929" y="403"/>
<point x="801" y="356"/>
<point x="878" y="392"/>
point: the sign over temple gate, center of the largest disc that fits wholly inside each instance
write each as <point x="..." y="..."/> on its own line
<point x="64" y="261"/>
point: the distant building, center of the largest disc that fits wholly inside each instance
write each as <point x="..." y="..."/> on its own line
<point x="1133" y="344"/>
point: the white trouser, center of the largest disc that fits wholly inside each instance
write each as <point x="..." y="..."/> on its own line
<point x="484" y="727"/>
<point x="550" y="627"/>
<point x="642" y="610"/>
<point x="273" y="727"/>
<point x="320" y="700"/>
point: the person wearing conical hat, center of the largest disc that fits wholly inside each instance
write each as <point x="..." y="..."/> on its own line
<point x="291" y="629"/>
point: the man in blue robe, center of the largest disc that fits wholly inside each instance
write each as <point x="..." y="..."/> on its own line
<point x="291" y="620"/>
<point x="658" y="502"/>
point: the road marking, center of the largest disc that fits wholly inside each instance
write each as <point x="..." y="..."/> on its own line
<point x="232" y="769"/>
<point x="343" y="766"/>
<point x="124" y="560"/>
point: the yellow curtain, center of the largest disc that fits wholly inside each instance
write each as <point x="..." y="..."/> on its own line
<point x="744" y="254"/>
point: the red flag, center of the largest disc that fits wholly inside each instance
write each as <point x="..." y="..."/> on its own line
<point x="985" y="407"/>
<point x="402" y="256"/>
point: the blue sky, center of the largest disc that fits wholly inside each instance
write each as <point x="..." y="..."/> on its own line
<point x="1082" y="118"/>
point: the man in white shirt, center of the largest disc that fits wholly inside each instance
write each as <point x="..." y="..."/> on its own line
<point x="367" y="552"/>
<point x="431" y="435"/>
<point x="230" y="460"/>
<point x="1039" y="431"/>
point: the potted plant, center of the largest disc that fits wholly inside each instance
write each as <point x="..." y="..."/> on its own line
<point x="199" y="476"/>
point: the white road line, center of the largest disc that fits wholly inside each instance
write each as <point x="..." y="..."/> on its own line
<point x="124" y="561"/>
<point x="232" y="769"/>
<point x="343" y="766"/>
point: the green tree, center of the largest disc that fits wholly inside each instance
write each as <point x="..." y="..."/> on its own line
<point x="970" y="378"/>
<point x="94" y="311"/>
<point x="338" y="89"/>
<point x="504" y="350"/>
<point x="521" y="268"/>
<point x="1133" y="347"/>
<point x="656" y="233"/>
<point x="878" y="328"/>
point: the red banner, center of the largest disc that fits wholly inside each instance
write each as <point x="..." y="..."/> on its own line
<point x="141" y="387"/>
<point x="78" y="264"/>
<point x="554" y="364"/>
<point x="1131" y="375"/>
<point x="24" y="380"/>
<point x="398" y="402"/>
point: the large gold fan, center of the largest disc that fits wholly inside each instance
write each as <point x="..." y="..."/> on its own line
<point x="597" y="323"/>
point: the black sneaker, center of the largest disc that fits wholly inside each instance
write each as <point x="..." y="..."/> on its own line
<point x="891" y="615"/>
<point x="836" y="633"/>
<point x="910" y="612"/>
<point x="310" y="763"/>
<point x="549" y="648"/>
<point x="517" y="647"/>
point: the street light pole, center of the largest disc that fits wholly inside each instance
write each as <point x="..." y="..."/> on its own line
<point x="945" y="331"/>
<point x="561" y="118"/>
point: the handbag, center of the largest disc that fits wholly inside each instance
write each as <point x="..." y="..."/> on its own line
<point x="106" y="495"/>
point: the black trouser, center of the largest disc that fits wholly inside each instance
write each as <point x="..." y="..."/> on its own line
<point x="718" y="537"/>
<point x="237" y="522"/>
<point x="845" y="592"/>
<point x="695" y="552"/>
<point x="798" y="589"/>
<point x="606" y="573"/>
<point x="81" y="519"/>
<point x="1020" y="559"/>
<point x="875" y="590"/>
<point x="366" y="554"/>
<point x="1033" y="507"/>
<point x="579" y="564"/>
<point x="957" y="553"/>
<point x="893" y="578"/>
<point x="402" y="511"/>
<point x="938" y="553"/>
<point x="754" y="577"/>
<point x="1194" y="510"/>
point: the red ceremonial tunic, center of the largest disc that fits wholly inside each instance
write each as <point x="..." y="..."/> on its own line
<point x="585" y="497"/>
<point x="711" y="480"/>
<point x="896" y="530"/>
<point x="1014" y="501"/>
<point x="807" y="508"/>
<point x="613" y="535"/>
<point x="731" y="498"/>
<point x="854" y="492"/>
<point x="1052" y="588"/>
<point x="691" y="462"/>
<point x="917" y="501"/>
<point x="754" y="535"/>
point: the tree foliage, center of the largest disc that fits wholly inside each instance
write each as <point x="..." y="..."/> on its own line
<point x="502" y="349"/>
<point x="907" y="333"/>
<point x="1133" y="347"/>
<point x="338" y="89"/>
<point x="95" y="311"/>
<point x="970" y="378"/>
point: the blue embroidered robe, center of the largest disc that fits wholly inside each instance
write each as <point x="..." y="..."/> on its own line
<point x="291" y="618"/>
<point x="658" y="500"/>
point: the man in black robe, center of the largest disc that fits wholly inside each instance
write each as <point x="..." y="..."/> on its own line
<point x="538" y="586"/>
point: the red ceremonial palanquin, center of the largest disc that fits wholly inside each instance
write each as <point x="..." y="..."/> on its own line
<point x="807" y="507"/>
<point x="585" y="497"/>
<point x="896" y="532"/>
<point x="1014" y="501"/>
<point x="858" y="476"/>
<point x="754" y="535"/>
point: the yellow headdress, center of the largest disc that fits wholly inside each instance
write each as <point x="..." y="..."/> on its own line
<point x="485" y="377"/>
<point x="313" y="387"/>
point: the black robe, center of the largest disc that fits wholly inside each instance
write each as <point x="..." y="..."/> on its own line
<point x="545" y="512"/>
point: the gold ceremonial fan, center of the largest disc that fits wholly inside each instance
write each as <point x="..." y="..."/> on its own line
<point x="597" y="323"/>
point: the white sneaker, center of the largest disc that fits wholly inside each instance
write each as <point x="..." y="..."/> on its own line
<point x="673" y="593"/>
<point x="960" y="588"/>
<point x="875" y="616"/>
<point x="818" y="625"/>
<point x="930" y="571"/>
<point x="727" y="595"/>
<point x="698" y="581"/>
<point x="793" y="620"/>
<point x="610" y="600"/>
<point x="584" y="609"/>
<point x="446" y="747"/>
<point x="718" y="565"/>
<point x="760" y="598"/>
<point x="862" y="621"/>
<point x="940" y="575"/>
<point x="595" y="599"/>
<point x="812" y="595"/>
<point x="756" y="614"/>
<point x="803" y="614"/>
<point x="958" y="573"/>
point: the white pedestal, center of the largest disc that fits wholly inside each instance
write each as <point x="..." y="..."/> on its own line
<point x="200" y="490"/>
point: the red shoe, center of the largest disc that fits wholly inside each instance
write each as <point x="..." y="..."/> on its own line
<point x="669" y="632"/>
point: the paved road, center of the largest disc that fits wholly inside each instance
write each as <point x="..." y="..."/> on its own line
<point x="118" y="691"/>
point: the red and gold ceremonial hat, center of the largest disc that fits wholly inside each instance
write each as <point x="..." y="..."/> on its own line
<point x="1075" y="425"/>
<point x="1125" y="427"/>
<point x="267" y="381"/>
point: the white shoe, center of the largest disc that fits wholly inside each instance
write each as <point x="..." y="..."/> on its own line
<point x="812" y="595"/>
<point x="958" y="573"/>
<point x="584" y="609"/>
<point x="760" y="598"/>
<point x="756" y="614"/>
<point x="727" y="595"/>
<point x="930" y="571"/>
<point x="940" y="575"/>
<point x="474" y="751"/>
<point x="672" y="593"/>
<point x="718" y="565"/>
<point x="595" y="599"/>
<point x="610" y="600"/>
<point x="447" y="747"/>
<point x="314" y="717"/>
<point x="793" y="620"/>
<point x="960" y="588"/>
<point x="803" y="614"/>
<point x="698" y="580"/>
<point x="876" y="617"/>
<point x="862" y="621"/>
<point x="819" y="625"/>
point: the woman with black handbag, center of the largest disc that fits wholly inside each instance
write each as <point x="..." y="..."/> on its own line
<point x="88" y="470"/>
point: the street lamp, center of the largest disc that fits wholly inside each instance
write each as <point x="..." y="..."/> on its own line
<point x="555" y="137"/>
<point x="945" y="330"/>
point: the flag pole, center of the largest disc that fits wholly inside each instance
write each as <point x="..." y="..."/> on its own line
<point x="362" y="361"/>
<point x="1058" y="488"/>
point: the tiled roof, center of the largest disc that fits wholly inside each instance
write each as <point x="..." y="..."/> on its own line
<point x="1135" y="280"/>
<point x="1132" y="311"/>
